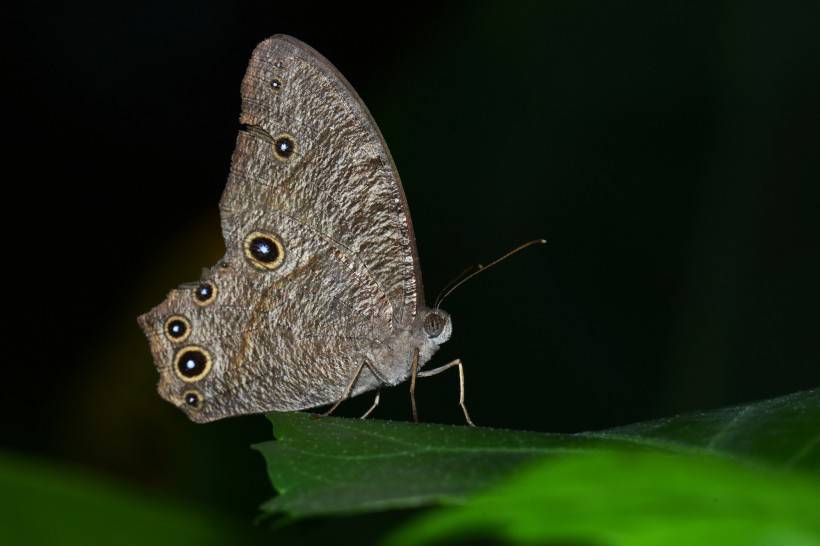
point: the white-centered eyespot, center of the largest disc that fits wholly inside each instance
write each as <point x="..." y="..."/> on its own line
<point x="177" y="328"/>
<point x="192" y="363"/>
<point x="205" y="293"/>
<point x="284" y="146"/>
<point x="193" y="399"/>
<point x="264" y="250"/>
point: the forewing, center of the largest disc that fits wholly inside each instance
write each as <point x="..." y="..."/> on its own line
<point x="339" y="182"/>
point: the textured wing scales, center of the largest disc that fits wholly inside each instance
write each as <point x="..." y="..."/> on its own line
<point x="341" y="180"/>
<point x="292" y="337"/>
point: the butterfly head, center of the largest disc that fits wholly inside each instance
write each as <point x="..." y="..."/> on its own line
<point x="437" y="326"/>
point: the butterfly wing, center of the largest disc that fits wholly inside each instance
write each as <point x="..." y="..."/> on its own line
<point x="340" y="180"/>
<point x="320" y="265"/>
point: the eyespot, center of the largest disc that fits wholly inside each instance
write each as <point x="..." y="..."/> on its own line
<point x="192" y="363"/>
<point x="192" y="399"/>
<point x="276" y="84"/>
<point x="278" y="64"/>
<point x="283" y="147"/>
<point x="177" y="328"/>
<point x="205" y="293"/>
<point x="264" y="250"/>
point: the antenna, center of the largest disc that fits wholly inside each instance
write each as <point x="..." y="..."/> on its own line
<point x="454" y="281"/>
<point x="462" y="278"/>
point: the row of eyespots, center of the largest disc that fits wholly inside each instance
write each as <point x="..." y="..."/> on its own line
<point x="276" y="83"/>
<point x="192" y="363"/>
<point x="284" y="145"/>
<point x="263" y="250"/>
<point x="177" y="327"/>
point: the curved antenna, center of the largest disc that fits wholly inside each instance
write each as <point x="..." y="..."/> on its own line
<point x="461" y="279"/>
<point x="452" y="282"/>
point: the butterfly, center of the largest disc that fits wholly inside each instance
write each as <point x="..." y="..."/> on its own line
<point x="319" y="294"/>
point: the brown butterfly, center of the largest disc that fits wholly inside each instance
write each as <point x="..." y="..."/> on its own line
<point x="319" y="294"/>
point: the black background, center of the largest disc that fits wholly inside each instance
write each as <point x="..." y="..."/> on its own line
<point x="668" y="154"/>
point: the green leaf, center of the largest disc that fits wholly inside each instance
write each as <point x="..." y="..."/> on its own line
<point x="783" y="432"/>
<point x="620" y="498"/>
<point x="330" y="465"/>
<point x="41" y="503"/>
<point x="323" y="466"/>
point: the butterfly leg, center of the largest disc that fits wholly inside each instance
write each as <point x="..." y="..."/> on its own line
<point x="350" y="385"/>
<point x="414" y="371"/>
<point x="375" y="403"/>
<point x="436" y="371"/>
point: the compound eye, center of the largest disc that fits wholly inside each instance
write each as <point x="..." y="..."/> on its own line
<point x="177" y="328"/>
<point x="434" y="324"/>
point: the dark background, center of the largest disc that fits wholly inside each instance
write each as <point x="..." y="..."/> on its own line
<point x="668" y="154"/>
